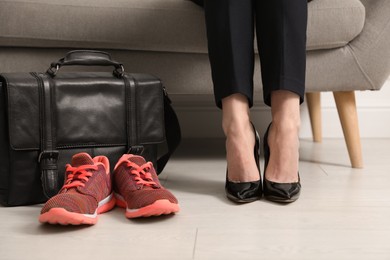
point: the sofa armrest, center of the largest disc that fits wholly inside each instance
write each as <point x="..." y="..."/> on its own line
<point x="371" y="49"/>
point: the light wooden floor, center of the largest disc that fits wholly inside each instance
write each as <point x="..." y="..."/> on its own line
<point x="342" y="214"/>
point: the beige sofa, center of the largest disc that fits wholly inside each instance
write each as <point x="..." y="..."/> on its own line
<point x="348" y="46"/>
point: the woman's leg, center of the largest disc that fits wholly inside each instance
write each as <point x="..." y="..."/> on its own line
<point x="230" y="32"/>
<point x="281" y="33"/>
<point x="240" y="139"/>
<point x="283" y="137"/>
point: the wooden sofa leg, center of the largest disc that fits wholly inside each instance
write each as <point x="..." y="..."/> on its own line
<point x="313" y="101"/>
<point x="346" y="107"/>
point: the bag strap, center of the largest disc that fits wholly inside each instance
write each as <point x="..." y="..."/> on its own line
<point x="172" y="132"/>
<point x="172" y="126"/>
<point x="131" y="116"/>
<point x="48" y="156"/>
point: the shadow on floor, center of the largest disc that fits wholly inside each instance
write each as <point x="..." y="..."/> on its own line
<point x="200" y="149"/>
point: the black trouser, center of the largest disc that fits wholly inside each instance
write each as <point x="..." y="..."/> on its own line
<point x="281" y="36"/>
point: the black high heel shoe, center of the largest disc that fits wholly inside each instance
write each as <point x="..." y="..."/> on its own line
<point x="278" y="192"/>
<point x="244" y="192"/>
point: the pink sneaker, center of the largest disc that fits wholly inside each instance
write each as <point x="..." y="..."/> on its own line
<point x="86" y="193"/>
<point x="138" y="190"/>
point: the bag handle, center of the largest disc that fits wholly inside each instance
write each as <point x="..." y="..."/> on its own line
<point x="86" y="58"/>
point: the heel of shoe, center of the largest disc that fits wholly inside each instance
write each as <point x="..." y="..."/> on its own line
<point x="120" y="201"/>
<point x="107" y="204"/>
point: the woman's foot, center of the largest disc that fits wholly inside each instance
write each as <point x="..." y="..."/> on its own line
<point x="240" y="140"/>
<point x="240" y="143"/>
<point x="283" y="138"/>
<point x="246" y="191"/>
<point x="278" y="191"/>
<point x="284" y="157"/>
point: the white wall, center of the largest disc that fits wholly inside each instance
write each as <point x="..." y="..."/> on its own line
<point x="201" y="119"/>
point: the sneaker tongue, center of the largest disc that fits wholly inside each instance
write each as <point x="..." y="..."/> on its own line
<point x="81" y="159"/>
<point x="139" y="160"/>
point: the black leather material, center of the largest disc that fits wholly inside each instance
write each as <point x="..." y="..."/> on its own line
<point x="86" y="58"/>
<point x="87" y="107"/>
<point x="4" y="146"/>
<point x="45" y="119"/>
<point x="49" y="154"/>
<point x="172" y="131"/>
<point x="243" y="192"/>
<point x="281" y="192"/>
<point x="274" y="191"/>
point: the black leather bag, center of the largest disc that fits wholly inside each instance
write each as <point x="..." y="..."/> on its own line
<point x="45" y="118"/>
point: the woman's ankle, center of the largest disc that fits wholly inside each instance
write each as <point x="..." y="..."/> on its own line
<point x="286" y="125"/>
<point x="236" y="127"/>
<point x="235" y="115"/>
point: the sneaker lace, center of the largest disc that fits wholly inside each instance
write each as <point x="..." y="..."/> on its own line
<point x="142" y="174"/>
<point x="78" y="176"/>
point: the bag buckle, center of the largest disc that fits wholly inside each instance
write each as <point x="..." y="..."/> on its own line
<point x="52" y="71"/>
<point x="119" y="72"/>
<point x="52" y="154"/>
<point x="136" y="149"/>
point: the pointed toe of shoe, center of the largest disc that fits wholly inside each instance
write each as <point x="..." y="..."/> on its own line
<point x="244" y="191"/>
<point x="282" y="192"/>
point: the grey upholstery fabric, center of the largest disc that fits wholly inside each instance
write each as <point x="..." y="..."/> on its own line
<point x="149" y="25"/>
<point x="152" y="25"/>
<point x="361" y="64"/>
<point x="333" y="23"/>
<point x="371" y="49"/>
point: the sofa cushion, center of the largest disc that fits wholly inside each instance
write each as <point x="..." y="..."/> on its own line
<point x="149" y="25"/>
<point x="334" y="23"/>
